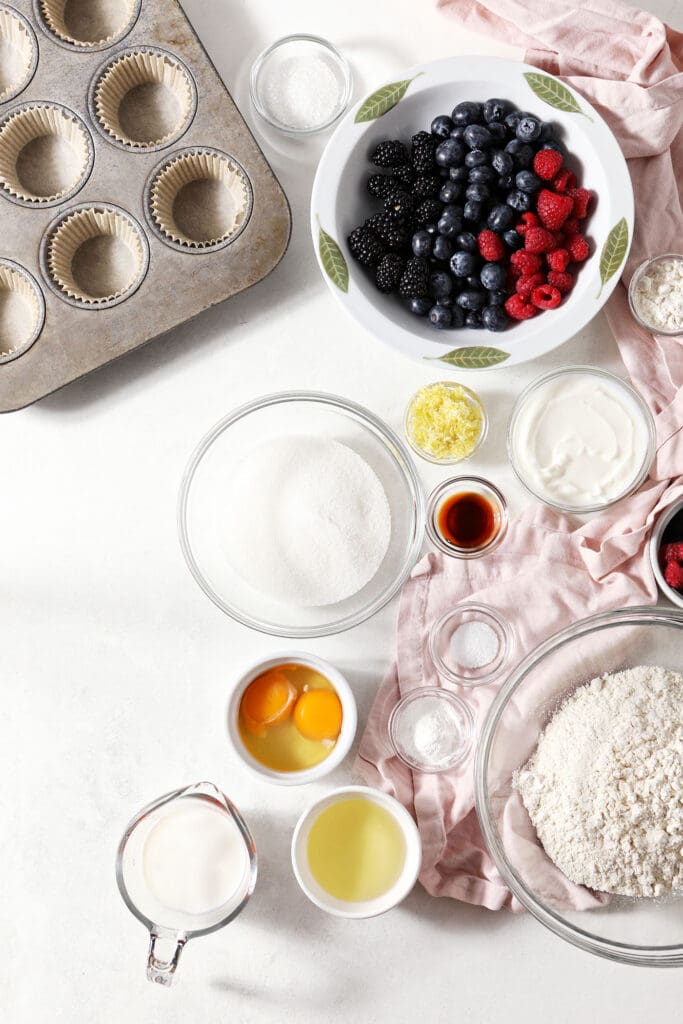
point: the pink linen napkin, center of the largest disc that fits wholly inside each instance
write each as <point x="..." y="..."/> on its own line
<point x="547" y="574"/>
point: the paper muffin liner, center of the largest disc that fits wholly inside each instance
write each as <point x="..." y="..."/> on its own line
<point x="27" y="324"/>
<point x="165" y="195"/>
<point x="36" y="122"/>
<point x="130" y="71"/>
<point x="14" y="33"/>
<point x="80" y="226"/>
<point x="54" y="16"/>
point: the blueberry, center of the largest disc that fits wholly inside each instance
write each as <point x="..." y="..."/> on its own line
<point x="466" y="113"/>
<point x="520" y="201"/>
<point x="441" y="126"/>
<point x="450" y="191"/>
<point x="463" y="263"/>
<point x="505" y="182"/>
<point x="476" y="158"/>
<point x="473" y="320"/>
<point x="422" y="243"/>
<point x="502" y="162"/>
<point x="495" y="110"/>
<point x="478" y="137"/>
<point x="457" y="317"/>
<point x="478" y="192"/>
<point x="450" y="224"/>
<point x="472" y="282"/>
<point x="500" y="217"/>
<point x="440" y="317"/>
<point x="527" y="181"/>
<point x="554" y="144"/>
<point x="443" y="248"/>
<point x="449" y="153"/>
<point x="445" y="300"/>
<point x="494" y="318"/>
<point x="419" y="306"/>
<point x="513" y="118"/>
<point x="547" y="131"/>
<point x="458" y="132"/>
<point x="492" y="276"/>
<point x="528" y="129"/>
<point x="498" y="131"/>
<point x="523" y="154"/>
<point x="513" y="239"/>
<point x="482" y="175"/>
<point x="472" y="210"/>
<point x="431" y="229"/>
<point x="497" y="298"/>
<point x="440" y="284"/>
<point x="471" y="299"/>
<point x="467" y="242"/>
<point x="458" y="173"/>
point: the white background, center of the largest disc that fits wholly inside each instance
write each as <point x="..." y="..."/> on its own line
<point x="115" y="666"/>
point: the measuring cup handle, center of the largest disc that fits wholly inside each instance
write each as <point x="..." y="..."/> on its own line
<point x="163" y="971"/>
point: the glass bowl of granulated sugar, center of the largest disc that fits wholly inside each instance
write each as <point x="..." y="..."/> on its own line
<point x="300" y="514"/>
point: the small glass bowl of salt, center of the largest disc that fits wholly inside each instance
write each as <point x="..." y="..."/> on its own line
<point x="301" y="84"/>
<point x="471" y="644"/>
<point x="431" y="730"/>
<point x="655" y="294"/>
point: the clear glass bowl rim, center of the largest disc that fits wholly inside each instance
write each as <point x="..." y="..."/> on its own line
<point x="501" y="659"/>
<point x="640" y="402"/>
<point x="473" y="398"/>
<point x="344" y="66"/>
<point x="433" y="501"/>
<point x="391" y="441"/>
<point x="626" y="953"/>
<point x="432" y="691"/>
<point x="637" y="274"/>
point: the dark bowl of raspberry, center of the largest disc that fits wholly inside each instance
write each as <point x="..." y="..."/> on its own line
<point x="666" y="552"/>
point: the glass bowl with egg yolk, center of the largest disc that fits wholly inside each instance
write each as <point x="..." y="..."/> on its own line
<point x="292" y="720"/>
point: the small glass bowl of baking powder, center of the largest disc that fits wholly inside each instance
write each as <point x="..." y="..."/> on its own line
<point x="655" y="294"/>
<point x="471" y="645"/>
<point x="301" y="84"/>
<point x="431" y="730"/>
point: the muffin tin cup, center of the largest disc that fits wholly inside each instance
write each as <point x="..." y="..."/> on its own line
<point x="199" y="200"/>
<point x="23" y="173"/>
<point x="87" y="25"/>
<point x="146" y="125"/>
<point x="110" y="283"/>
<point x="20" y="327"/>
<point x="19" y="38"/>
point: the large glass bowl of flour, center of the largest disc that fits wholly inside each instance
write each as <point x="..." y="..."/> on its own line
<point x="628" y="929"/>
<point x="300" y="514"/>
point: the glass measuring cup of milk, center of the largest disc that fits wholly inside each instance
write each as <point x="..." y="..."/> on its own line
<point x="186" y="866"/>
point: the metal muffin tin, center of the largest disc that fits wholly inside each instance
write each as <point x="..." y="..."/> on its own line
<point x="180" y="265"/>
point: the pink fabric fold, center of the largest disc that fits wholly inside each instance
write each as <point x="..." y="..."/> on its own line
<point x="548" y="573"/>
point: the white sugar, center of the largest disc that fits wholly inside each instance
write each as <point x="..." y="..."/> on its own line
<point x="300" y="91"/>
<point x="474" y="644"/>
<point x="429" y="731"/>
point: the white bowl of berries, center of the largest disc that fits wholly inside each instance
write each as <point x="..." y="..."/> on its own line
<point x="472" y="197"/>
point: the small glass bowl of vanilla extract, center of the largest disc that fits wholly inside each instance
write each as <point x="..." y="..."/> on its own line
<point x="467" y="517"/>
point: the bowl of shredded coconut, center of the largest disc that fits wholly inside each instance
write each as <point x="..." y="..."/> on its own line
<point x="579" y="785"/>
<point x="300" y="514"/>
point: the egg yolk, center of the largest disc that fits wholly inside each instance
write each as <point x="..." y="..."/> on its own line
<point x="318" y="715"/>
<point x="267" y="700"/>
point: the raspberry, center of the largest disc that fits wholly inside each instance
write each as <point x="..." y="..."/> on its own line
<point x="525" y="262"/>
<point x="582" y="198"/>
<point x="577" y="247"/>
<point x="540" y="240"/>
<point x="490" y="246"/>
<point x="547" y="163"/>
<point x="673" y="572"/>
<point x="546" y="297"/>
<point x="571" y="226"/>
<point x="527" y="283"/>
<point x="563" y="282"/>
<point x="672" y="552"/>
<point x="518" y="309"/>
<point x="553" y="209"/>
<point x="529" y="220"/>
<point x="564" y="181"/>
<point x="557" y="259"/>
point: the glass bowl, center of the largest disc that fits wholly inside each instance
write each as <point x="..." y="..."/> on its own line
<point x="634" y="931"/>
<point x="203" y="493"/>
<point x="646" y="265"/>
<point x="441" y="635"/>
<point x="610" y="380"/>
<point x="471" y="397"/>
<point x="292" y="48"/>
<point x="466" y="485"/>
<point x="462" y="741"/>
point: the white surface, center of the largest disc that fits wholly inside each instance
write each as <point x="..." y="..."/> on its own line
<point x="115" y="667"/>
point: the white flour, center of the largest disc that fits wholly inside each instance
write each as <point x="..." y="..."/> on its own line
<point x="658" y="295"/>
<point x="604" y="787"/>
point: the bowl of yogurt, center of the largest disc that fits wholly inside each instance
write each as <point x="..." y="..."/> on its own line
<point x="581" y="439"/>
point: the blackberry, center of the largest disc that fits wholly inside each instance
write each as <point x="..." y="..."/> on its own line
<point x="405" y="175"/>
<point x="380" y="185"/>
<point x="427" y="211"/>
<point x="390" y="229"/>
<point x="414" y="281"/>
<point x="399" y="201"/>
<point x="422" y="152"/>
<point x="389" y="271"/>
<point x="365" y="246"/>
<point x="426" y="186"/>
<point x="391" y="153"/>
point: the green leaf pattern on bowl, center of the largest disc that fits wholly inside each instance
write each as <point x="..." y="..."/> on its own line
<point x="554" y="93"/>
<point x="473" y="357"/>
<point x="333" y="261"/>
<point x="613" y="252"/>
<point x="383" y="100"/>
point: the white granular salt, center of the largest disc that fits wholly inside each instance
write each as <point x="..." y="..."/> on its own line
<point x="474" y="644"/>
<point x="305" y="520"/>
<point x="300" y="92"/>
<point x="428" y="732"/>
<point x="658" y="295"/>
<point x="604" y="787"/>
